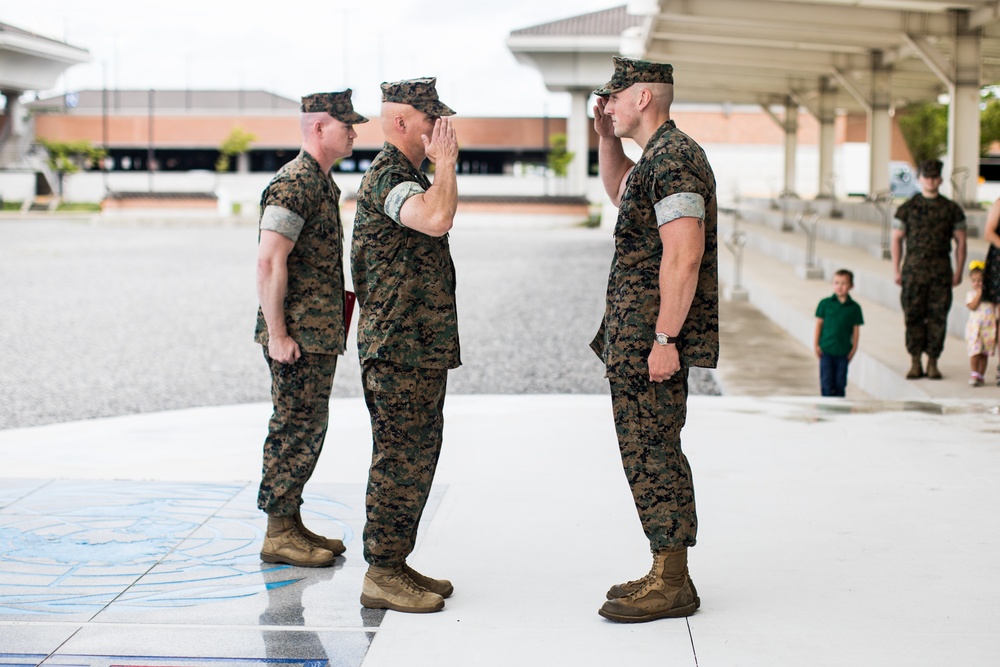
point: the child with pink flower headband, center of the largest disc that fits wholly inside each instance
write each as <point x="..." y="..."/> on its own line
<point x="981" y="329"/>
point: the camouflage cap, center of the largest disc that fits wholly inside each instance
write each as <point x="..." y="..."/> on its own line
<point x="337" y="105"/>
<point x="931" y="168"/>
<point x="629" y="71"/>
<point x="418" y="93"/>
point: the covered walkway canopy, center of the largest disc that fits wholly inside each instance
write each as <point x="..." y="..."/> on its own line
<point x="819" y="55"/>
<point x="28" y="62"/>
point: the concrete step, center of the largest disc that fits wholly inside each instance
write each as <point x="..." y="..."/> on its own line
<point x="771" y="280"/>
<point x="840" y="243"/>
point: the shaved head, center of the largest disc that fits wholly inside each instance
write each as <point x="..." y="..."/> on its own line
<point x="663" y="94"/>
<point x="307" y="121"/>
<point x="393" y="110"/>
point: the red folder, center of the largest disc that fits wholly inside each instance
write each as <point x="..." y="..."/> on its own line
<point x="349" y="299"/>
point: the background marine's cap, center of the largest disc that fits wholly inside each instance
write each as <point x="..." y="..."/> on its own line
<point x="931" y="168"/>
<point x="629" y="71"/>
<point x="418" y="93"/>
<point x="337" y="105"/>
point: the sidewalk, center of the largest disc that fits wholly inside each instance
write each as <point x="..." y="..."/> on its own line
<point x="813" y="548"/>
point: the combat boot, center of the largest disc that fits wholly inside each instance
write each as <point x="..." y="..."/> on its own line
<point x="283" y="543"/>
<point x="666" y="592"/>
<point x="336" y="547"/>
<point x="916" y="370"/>
<point x="629" y="587"/>
<point x="392" y="588"/>
<point x="932" y="370"/>
<point x="442" y="587"/>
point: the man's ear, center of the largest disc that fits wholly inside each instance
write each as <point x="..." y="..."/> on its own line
<point x="645" y="97"/>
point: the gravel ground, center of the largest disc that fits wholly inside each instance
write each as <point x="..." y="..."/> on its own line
<point x="104" y="320"/>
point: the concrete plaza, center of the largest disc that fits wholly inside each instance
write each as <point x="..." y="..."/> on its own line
<point x="832" y="531"/>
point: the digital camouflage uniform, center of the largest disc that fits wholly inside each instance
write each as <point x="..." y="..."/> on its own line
<point x="673" y="172"/>
<point x="407" y="341"/>
<point x="314" y="316"/>
<point x="928" y="226"/>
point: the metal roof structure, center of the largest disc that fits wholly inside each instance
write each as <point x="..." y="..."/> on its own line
<point x="754" y="51"/>
<point x="89" y="102"/>
<point x="828" y="56"/>
<point x="33" y="62"/>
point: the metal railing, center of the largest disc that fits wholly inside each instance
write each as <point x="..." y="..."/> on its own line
<point x="785" y="198"/>
<point x="835" y="211"/>
<point x="883" y="202"/>
<point x="735" y="242"/>
<point x="809" y="228"/>
<point x="959" y="178"/>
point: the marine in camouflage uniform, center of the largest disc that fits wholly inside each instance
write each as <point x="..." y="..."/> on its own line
<point x="300" y="323"/>
<point x="672" y="184"/>
<point x="926" y="225"/>
<point x="407" y="333"/>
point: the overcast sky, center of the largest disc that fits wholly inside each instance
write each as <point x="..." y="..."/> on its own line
<point x="295" y="47"/>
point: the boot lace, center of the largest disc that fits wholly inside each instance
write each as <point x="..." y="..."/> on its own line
<point x="407" y="583"/>
<point x="301" y="541"/>
<point x="643" y="584"/>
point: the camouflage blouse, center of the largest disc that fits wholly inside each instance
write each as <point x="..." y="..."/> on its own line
<point x="671" y="164"/>
<point x="314" y="303"/>
<point x="404" y="279"/>
<point x="929" y="226"/>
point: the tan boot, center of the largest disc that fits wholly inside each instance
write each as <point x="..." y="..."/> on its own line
<point x="916" y="371"/>
<point x="629" y="587"/>
<point x="392" y="588"/>
<point x="336" y="547"/>
<point x="666" y="592"/>
<point x="932" y="370"/>
<point x="442" y="587"/>
<point x="284" y="544"/>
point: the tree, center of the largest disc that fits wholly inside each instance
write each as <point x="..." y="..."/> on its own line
<point x="69" y="157"/>
<point x="237" y="143"/>
<point x="989" y="130"/>
<point x="925" y="128"/>
<point x="559" y="158"/>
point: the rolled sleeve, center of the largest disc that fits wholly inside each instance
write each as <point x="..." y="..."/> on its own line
<point x="398" y="196"/>
<point x="680" y="205"/>
<point x="279" y="219"/>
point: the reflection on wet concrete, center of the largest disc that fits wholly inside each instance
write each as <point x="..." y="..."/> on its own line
<point x="824" y="409"/>
<point x="284" y="587"/>
<point x="159" y="556"/>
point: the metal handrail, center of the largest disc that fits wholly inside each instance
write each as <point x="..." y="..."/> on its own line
<point x="883" y="202"/>
<point x="735" y="242"/>
<point x="835" y="211"/>
<point x="785" y="196"/>
<point x="958" y="188"/>
<point x="810" y="229"/>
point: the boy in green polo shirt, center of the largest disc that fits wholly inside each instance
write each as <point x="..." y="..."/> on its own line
<point x="838" y="325"/>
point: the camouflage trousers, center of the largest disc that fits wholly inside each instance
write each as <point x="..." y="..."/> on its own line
<point x="406" y="406"/>
<point x="648" y="419"/>
<point x="926" y="300"/>
<point x="300" y="393"/>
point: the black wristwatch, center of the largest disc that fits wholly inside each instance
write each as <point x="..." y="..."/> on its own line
<point x="664" y="339"/>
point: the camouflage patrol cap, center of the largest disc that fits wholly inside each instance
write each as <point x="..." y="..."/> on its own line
<point x="418" y="93"/>
<point x="629" y="71"/>
<point x="931" y="168"/>
<point x="337" y="105"/>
